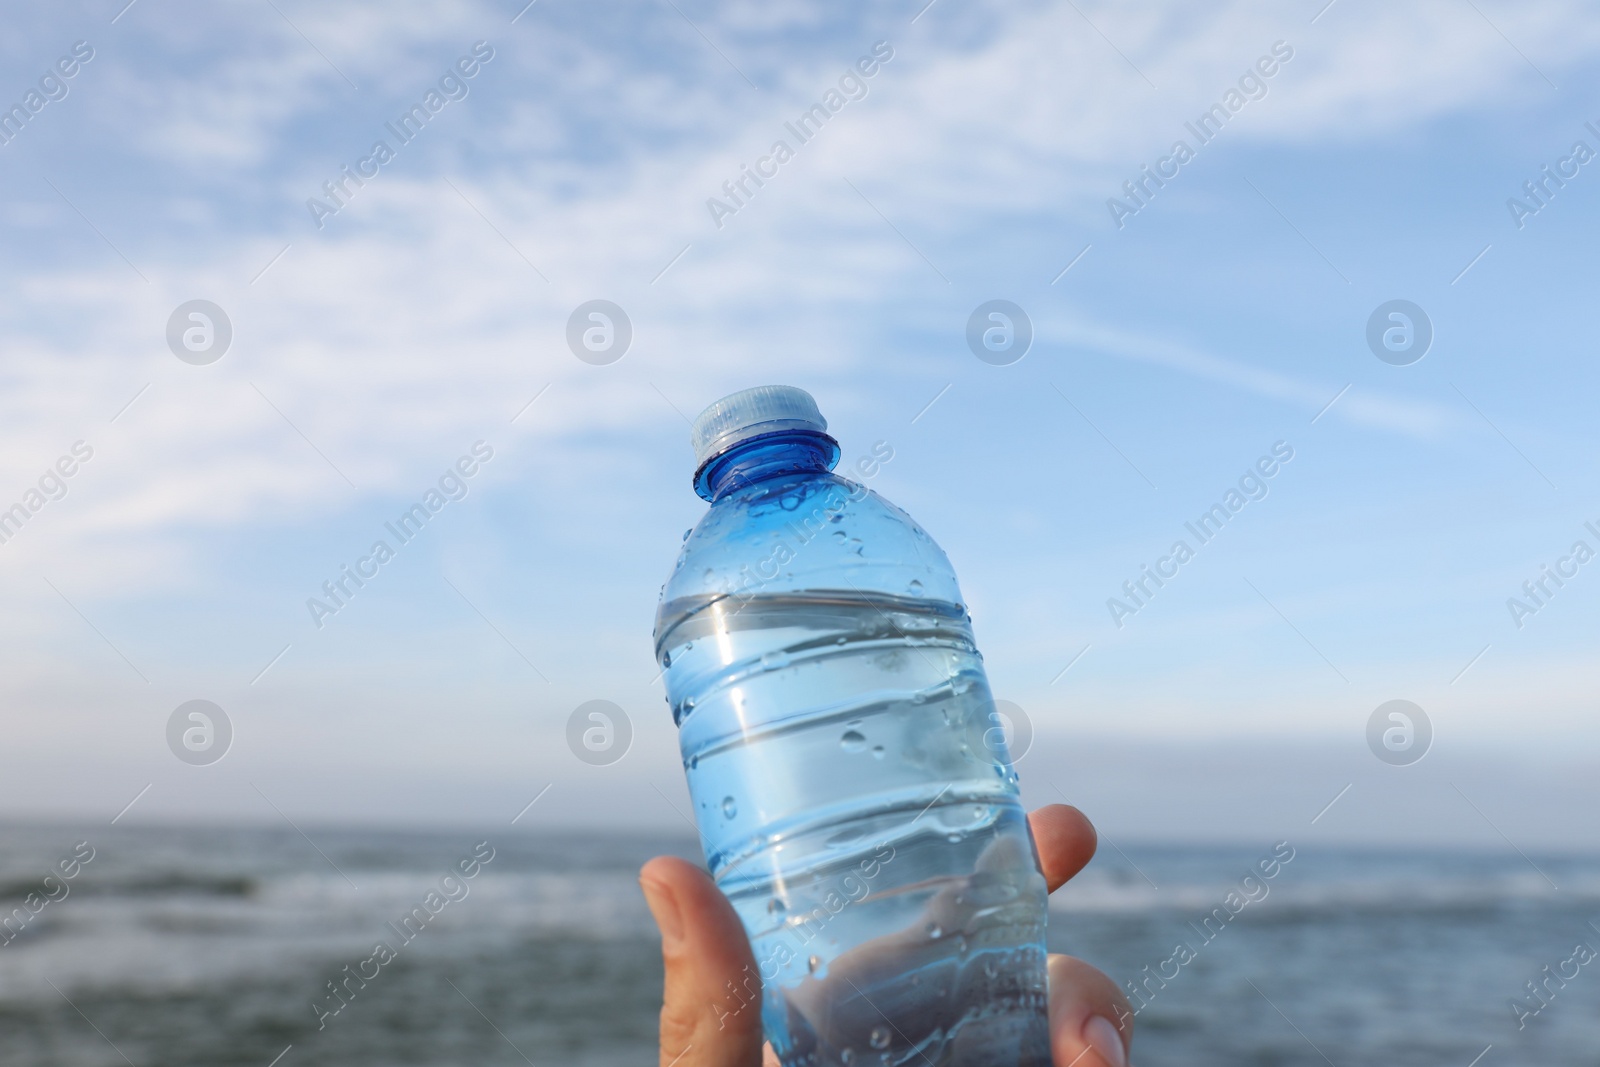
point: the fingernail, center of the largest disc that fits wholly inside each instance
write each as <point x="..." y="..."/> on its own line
<point x="665" y="909"/>
<point x="1102" y="1036"/>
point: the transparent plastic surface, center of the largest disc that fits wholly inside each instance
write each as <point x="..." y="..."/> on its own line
<point x="850" y="781"/>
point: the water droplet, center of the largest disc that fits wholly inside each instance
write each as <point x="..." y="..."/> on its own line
<point x="877" y="751"/>
<point x="730" y="808"/>
<point x="879" y="1038"/>
<point x="773" y="661"/>
<point x="935" y="932"/>
<point x="853" y="741"/>
<point x="839" y="640"/>
<point x="666" y="659"/>
<point x="841" y="536"/>
<point x="813" y="963"/>
<point x="847" y="1056"/>
<point x="989" y="969"/>
<point x="955" y="839"/>
<point x="915" y="588"/>
<point x="776" y="906"/>
<point x="687" y="532"/>
<point x="710" y="574"/>
<point x="961" y="945"/>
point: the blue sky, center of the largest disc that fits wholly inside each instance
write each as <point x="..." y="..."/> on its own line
<point x="371" y="352"/>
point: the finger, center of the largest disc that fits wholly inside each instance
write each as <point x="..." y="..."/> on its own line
<point x="1091" y="1024"/>
<point x="711" y="1010"/>
<point x="1065" y="839"/>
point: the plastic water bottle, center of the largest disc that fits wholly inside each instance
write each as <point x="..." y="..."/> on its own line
<point x="849" y="775"/>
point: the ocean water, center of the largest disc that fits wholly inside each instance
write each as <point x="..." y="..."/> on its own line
<point x="215" y="947"/>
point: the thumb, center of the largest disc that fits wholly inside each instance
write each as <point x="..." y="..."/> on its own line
<point x="711" y="1010"/>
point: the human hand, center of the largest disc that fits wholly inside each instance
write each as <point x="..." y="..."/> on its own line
<point x="705" y="951"/>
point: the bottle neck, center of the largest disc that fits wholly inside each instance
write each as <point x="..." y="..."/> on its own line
<point x="767" y="456"/>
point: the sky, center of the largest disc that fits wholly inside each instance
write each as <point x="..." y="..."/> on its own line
<point x="380" y="332"/>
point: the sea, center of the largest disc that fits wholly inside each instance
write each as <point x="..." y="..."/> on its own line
<point x="216" y="946"/>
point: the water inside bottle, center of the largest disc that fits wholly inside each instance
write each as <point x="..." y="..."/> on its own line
<point x="851" y="782"/>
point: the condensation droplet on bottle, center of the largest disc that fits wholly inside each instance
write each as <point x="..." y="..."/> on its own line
<point x="961" y="945"/>
<point x="666" y="659"/>
<point x="879" y="1038"/>
<point x="773" y="661"/>
<point x="877" y="751"/>
<point x="840" y="536"/>
<point x="935" y="932"/>
<point x="813" y="963"/>
<point x="776" y="906"/>
<point x="730" y="807"/>
<point x="853" y="741"/>
<point x="710" y="574"/>
<point x="915" y="588"/>
<point x="989" y="969"/>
